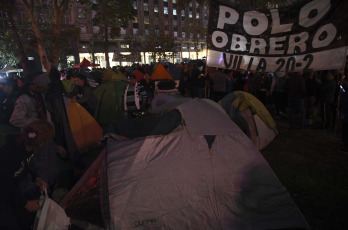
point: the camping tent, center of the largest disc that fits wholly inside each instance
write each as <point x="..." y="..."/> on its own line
<point x="138" y="74"/>
<point x="85" y="63"/>
<point x="160" y="73"/>
<point x="109" y="95"/>
<point x="176" y="72"/>
<point x="251" y="116"/>
<point x="112" y="75"/>
<point x="68" y="84"/>
<point x="178" y="170"/>
<point x="86" y="131"/>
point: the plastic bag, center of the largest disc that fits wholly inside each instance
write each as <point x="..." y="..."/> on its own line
<point x="51" y="216"/>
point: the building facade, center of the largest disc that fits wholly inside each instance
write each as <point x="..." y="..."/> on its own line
<point x="186" y="24"/>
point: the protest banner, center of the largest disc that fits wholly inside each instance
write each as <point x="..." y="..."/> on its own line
<point x="310" y="35"/>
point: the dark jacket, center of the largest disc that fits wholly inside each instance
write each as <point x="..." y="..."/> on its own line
<point x="296" y="86"/>
<point x="87" y="98"/>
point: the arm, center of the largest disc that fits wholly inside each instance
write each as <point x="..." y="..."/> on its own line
<point x="86" y="95"/>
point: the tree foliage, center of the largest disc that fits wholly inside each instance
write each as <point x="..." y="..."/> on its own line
<point x="8" y="54"/>
<point x="110" y="17"/>
<point x="41" y="30"/>
<point x="47" y="15"/>
<point x="158" y="44"/>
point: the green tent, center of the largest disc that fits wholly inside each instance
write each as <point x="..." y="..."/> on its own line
<point x="68" y="85"/>
<point x="109" y="95"/>
<point x="112" y="75"/>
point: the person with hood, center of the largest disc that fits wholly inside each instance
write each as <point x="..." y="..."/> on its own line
<point x="30" y="104"/>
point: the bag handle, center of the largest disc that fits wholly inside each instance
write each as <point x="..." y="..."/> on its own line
<point x="43" y="197"/>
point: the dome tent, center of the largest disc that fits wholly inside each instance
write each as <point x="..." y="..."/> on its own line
<point x="251" y="116"/>
<point x="183" y="171"/>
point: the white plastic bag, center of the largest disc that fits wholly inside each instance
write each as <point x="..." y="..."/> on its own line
<point x="51" y="216"/>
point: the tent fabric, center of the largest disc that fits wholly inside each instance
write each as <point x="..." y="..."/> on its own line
<point x="251" y="116"/>
<point x="161" y="99"/>
<point x="109" y="75"/>
<point x="84" y="198"/>
<point x="86" y="131"/>
<point x="160" y="73"/>
<point x="176" y="72"/>
<point x="68" y="85"/>
<point x="245" y="100"/>
<point x="204" y="174"/>
<point x="85" y="63"/>
<point x="138" y="74"/>
<point x="109" y="96"/>
<point x="149" y="125"/>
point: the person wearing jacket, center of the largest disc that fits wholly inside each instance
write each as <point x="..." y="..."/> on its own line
<point x="20" y="174"/>
<point x="296" y="87"/>
<point x="83" y="94"/>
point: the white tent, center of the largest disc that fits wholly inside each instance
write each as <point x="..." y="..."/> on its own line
<point x="190" y="167"/>
<point x="205" y="174"/>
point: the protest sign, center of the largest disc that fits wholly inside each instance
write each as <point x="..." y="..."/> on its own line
<point x="311" y="35"/>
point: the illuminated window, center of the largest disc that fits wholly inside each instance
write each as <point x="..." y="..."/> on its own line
<point x="155" y="9"/>
<point x="165" y="10"/>
<point x="174" y="11"/>
<point x="146" y="20"/>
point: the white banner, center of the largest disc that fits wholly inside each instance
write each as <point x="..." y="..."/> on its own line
<point x="306" y="35"/>
<point x="324" y="60"/>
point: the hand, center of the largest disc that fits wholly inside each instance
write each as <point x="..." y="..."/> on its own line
<point x="32" y="205"/>
<point x="41" y="183"/>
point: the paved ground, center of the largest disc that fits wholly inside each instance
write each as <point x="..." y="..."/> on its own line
<point x="311" y="165"/>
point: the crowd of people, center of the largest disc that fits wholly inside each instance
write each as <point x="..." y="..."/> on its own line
<point x="312" y="99"/>
<point x="35" y="104"/>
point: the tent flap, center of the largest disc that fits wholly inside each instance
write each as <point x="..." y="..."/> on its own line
<point x="151" y="125"/>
